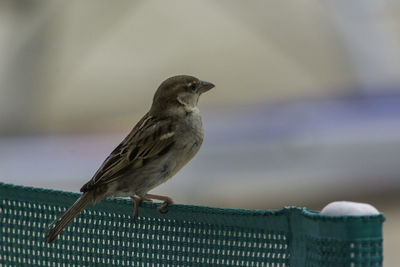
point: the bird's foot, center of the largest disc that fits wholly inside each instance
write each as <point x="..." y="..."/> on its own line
<point x="162" y="208"/>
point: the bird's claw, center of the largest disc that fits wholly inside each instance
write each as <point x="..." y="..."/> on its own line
<point x="162" y="208"/>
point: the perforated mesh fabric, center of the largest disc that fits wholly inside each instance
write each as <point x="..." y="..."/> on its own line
<point x="104" y="235"/>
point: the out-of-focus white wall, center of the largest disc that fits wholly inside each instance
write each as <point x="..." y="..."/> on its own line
<point x="77" y="64"/>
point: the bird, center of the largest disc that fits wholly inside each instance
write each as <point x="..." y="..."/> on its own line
<point x="166" y="138"/>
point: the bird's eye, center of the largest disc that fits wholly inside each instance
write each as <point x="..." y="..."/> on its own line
<point x="192" y="86"/>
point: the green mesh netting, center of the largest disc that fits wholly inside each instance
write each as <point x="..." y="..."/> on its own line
<point x="104" y="235"/>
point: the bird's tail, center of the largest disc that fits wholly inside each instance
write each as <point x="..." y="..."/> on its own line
<point x="62" y="220"/>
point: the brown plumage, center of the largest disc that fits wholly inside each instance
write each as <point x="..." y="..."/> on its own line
<point x="160" y="144"/>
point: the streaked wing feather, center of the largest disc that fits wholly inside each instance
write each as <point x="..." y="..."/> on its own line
<point x="149" y="139"/>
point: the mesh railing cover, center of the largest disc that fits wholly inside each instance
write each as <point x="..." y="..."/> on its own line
<point x="104" y="235"/>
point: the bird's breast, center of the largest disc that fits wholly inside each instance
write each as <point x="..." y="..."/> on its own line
<point x="190" y="130"/>
<point x="188" y="139"/>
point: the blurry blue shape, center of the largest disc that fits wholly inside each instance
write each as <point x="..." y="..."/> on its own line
<point x="309" y="118"/>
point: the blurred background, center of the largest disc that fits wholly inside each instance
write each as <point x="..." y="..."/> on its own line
<point x="306" y="108"/>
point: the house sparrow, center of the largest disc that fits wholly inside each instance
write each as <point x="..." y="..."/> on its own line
<point x="160" y="144"/>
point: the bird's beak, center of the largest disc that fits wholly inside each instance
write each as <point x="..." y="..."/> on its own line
<point x="205" y="86"/>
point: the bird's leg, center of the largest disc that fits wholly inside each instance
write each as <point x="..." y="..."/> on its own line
<point x="162" y="206"/>
<point x="147" y="199"/>
<point x="137" y="201"/>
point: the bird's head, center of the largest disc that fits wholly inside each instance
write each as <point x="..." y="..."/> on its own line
<point x="180" y="92"/>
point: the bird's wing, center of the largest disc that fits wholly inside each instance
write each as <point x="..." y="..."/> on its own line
<point x="150" y="139"/>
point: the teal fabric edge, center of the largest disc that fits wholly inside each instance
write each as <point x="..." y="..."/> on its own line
<point x="286" y="220"/>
